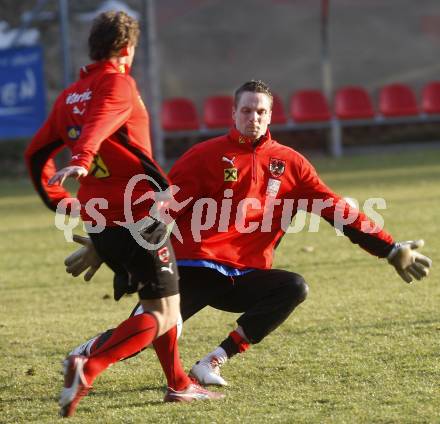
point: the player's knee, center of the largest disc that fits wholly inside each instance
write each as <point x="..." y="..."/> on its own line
<point x="297" y="288"/>
<point x="166" y="310"/>
<point x="303" y="289"/>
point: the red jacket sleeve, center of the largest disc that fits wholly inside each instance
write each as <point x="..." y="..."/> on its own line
<point x="361" y="230"/>
<point x="109" y="109"/>
<point x="40" y="164"/>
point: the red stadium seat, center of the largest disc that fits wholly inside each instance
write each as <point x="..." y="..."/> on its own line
<point x="397" y="100"/>
<point x="217" y="111"/>
<point x="278" y="113"/>
<point x="431" y="98"/>
<point x="309" y="106"/>
<point x="179" y="114"/>
<point x="353" y="103"/>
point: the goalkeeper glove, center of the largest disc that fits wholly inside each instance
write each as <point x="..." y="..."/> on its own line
<point x="85" y="258"/>
<point x="409" y="263"/>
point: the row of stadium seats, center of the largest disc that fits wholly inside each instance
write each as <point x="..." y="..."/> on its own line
<point x="308" y="106"/>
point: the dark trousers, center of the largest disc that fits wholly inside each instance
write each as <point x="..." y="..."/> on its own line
<point x="266" y="297"/>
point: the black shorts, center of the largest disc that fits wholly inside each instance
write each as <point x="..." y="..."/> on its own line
<point x="150" y="272"/>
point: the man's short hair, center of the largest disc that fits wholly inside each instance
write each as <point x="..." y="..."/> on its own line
<point x="253" y="86"/>
<point x="111" y="31"/>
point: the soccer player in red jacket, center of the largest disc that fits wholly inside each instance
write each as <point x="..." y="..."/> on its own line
<point x="245" y="188"/>
<point x="103" y="121"/>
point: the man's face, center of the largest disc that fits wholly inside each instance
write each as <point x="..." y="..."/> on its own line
<point x="252" y="114"/>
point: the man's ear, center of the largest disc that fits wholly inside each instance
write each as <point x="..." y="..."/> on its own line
<point x="124" y="51"/>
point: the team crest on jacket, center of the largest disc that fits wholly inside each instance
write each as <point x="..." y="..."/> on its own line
<point x="277" y="167"/>
<point x="73" y="132"/>
<point x="164" y="254"/>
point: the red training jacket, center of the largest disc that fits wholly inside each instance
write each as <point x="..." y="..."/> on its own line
<point x="229" y="169"/>
<point x="101" y="118"/>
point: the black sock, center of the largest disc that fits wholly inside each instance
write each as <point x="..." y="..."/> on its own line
<point x="229" y="346"/>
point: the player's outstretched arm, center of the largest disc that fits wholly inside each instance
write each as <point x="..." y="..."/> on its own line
<point x="409" y="263"/>
<point x="83" y="259"/>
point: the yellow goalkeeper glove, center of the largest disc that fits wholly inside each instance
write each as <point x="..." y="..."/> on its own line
<point x="83" y="259"/>
<point x="409" y="263"/>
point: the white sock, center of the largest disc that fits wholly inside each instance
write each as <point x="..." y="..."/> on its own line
<point x="84" y="349"/>
<point x="219" y="353"/>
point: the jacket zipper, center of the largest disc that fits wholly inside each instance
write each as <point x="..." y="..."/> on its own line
<point x="254" y="166"/>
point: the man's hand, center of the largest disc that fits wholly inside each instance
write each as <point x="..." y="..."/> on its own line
<point x="67" y="172"/>
<point x="83" y="259"/>
<point x="408" y="262"/>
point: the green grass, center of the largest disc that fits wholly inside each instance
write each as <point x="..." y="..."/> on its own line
<point x="363" y="348"/>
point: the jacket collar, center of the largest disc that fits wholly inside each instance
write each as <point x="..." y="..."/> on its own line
<point x="244" y="142"/>
<point x="103" y="66"/>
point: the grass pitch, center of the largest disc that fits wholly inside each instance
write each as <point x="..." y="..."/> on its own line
<point x="363" y="348"/>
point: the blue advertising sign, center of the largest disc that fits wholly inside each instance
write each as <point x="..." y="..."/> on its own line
<point x="22" y="92"/>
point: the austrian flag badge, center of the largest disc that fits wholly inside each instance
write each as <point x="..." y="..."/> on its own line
<point x="277" y="167"/>
<point x="164" y="254"/>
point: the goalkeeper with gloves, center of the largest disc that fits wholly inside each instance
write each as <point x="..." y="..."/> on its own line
<point x="230" y="267"/>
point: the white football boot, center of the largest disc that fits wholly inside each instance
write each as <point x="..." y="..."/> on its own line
<point x="75" y="385"/>
<point x="207" y="372"/>
<point x="191" y="393"/>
